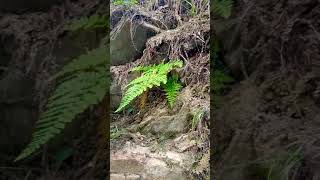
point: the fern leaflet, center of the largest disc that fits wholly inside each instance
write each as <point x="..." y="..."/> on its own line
<point x="172" y="88"/>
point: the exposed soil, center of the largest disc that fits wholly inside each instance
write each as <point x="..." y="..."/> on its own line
<point x="274" y="53"/>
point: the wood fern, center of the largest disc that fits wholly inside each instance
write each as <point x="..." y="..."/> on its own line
<point x="152" y="76"/>
<point x="172" y="88"/>
<point x="81" y="83"/>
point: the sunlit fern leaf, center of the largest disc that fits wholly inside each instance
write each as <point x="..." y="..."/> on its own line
<point x="152" y="76"/>
<point x="222" y="7"/>
<point x="172" y="88"/>
<point x="83" y="88"/>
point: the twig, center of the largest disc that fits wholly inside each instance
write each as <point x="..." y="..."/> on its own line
<point x="150" y="26"/>
<point x="28" y="174"/>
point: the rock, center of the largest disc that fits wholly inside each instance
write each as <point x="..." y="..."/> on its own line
<point x="127" y="46"/>
<point x="132" y="177"/>
<point x="19" y="6"/>
<point x="126" y="166"/>
<point x="115" y="95"/>
<point x="116" y="15"/>
<point x="184" y="142"/>
<point x="117" y="177"/>
<point x="157" y="168"/>
<point x="138" y="162"/>
<point x="169" y="125"/>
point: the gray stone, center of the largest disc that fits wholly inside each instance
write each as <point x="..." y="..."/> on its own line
<point x="157" y="168"/>
<point x="128" y="46"/>
<point x="132" y="177"/>
<point x="126" y="166"/>
<point x="117" y="177"/>
<point x="169" y="125"/>
<point x="115" y="95"/>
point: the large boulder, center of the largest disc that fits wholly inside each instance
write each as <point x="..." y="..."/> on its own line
<point x="115" y="95"/>
<point x="169" y="125"/>
<point x="134" y="161"/>
<point x="128" y="43"/>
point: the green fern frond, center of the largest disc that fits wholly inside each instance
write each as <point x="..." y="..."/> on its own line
<point x="94" y="21"/>
<point x="82" y="89"/>
<point x="152" y="76"/>
<point x="222" y="7"/>
<point x="172" y="88"/>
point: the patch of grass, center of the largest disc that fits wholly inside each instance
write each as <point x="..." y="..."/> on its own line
<point x="278" y="166"/>
<point x="193" y="7"/>
<point x="116" y="132"/>
<point x="128" y="3"/>
<point x="196" y="118"/>
<point x="284" y="165"/>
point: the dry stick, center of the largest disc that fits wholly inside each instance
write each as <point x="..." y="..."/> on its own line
<point x="132" y="32"/>
<point x="158" y="22"/>
<point x="28" y="174"/>
<point x="152" y="27"/>
<point x="143" y="100"/>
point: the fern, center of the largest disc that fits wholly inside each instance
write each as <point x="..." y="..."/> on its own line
<point x="222" y="7"/>
<point x="172" y="88"/>
<point x="152" y="76"/>
<point x="81" y="83"/>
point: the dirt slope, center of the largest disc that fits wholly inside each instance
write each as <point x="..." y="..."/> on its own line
<point x="275" y="55"/>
